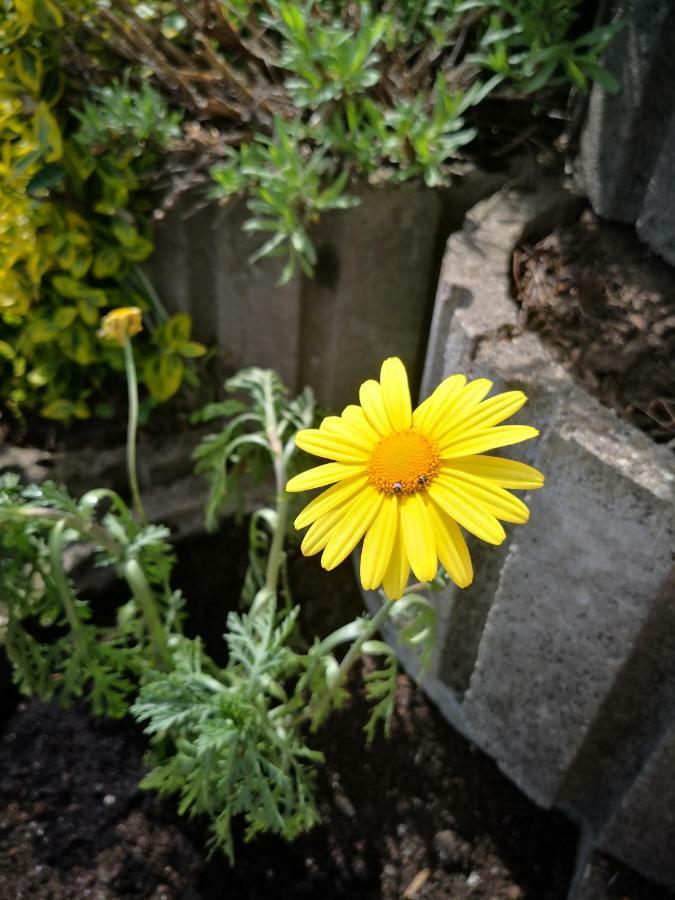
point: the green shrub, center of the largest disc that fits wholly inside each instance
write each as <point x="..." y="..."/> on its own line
<point x="74" y="225"/>
<point x="308" y="94"/>
<point x="283" y="102"/>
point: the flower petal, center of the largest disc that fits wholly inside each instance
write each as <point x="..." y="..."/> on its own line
<point x="418" y="536"/>
<point x="488" y="439"/>
<point x="326" y="501"/>
<point x="461" y="406"/>
<point x="398" y="571"/>
<point x="372" y="401"/>
<point x="460" y="506"/>
<point x="486" y="414"/>
<point x="336" y="427"/>
<point x="356" y="418"/>
<point x="318" y="534"/>
<point x="430" y="412"/>
<point x="350" y="529"/>
<point x="396" y="393"/>
<point x="320" y="476"/>
<point x="451" y="547"/>
<point x="379" y="544"/>
<point x="508" y="473"/>
<point x="329" y="446"/>
<point x="488" y="495"/>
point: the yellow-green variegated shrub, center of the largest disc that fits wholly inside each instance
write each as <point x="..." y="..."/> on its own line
<point x="74" y="225"/>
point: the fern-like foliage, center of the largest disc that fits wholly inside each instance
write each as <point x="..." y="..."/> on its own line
<point x="245" y="442"/>
<point x="230" y="742"/>
<point x="50" y="633"/>
<point x="217" y="743"/>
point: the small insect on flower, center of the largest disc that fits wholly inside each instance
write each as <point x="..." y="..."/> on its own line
<point x="409" y="481"/>
<point x="120" y="324"/>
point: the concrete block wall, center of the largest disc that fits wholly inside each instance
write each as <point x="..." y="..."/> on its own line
<point x="372" y="294"/>
<point x="628" y="141"/>
<point x="558" y="659"/>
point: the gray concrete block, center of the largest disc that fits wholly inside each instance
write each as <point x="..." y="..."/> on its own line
<point x="556" y="659"/>
<point x="656" y="221"/>
<point x="635" y="713"/>
<point x="473" y="310"/>
<point x="628" y="140"/>
<point x="642" y="831"/>
<point x="373" y="291"/>
<point x="473" y="300"/>
<point x="371" y="297"/>
<point x="200" y="266"/>
<point x="573" y="597"/>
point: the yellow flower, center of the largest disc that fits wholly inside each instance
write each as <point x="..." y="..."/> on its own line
<point x="120" y="324"/>
<point x="408" y="480"/>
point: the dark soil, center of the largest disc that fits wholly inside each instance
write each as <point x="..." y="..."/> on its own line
<point x="606" y="304"/>
<point x="421" y="815"/>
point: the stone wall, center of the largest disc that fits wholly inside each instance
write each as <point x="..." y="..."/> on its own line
<point x="372" y="295"/>
<point x="628" y="142"/>
<point x="557" y="660"/>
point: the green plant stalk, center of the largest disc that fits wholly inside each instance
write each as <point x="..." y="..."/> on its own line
<point x="276" y="555"/>
<point x="61" y="580"/>
<point x="347" y="662"/>
<point x="143" y="596"/>
<point x="89" y="530"/>
<point x="268" y="594"/>
<point x="132" y="429"/>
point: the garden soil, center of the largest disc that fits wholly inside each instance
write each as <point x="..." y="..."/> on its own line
<point x="606" y="304"/>
<point x="422" y="815"/>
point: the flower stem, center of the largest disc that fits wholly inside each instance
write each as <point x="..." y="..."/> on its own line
<point x="348" y="661"/>
<point x="132" y="429"/>
<point x="143" y="596"/>
<point x="276" y="554"/>
<point x="60" y="579"/>
<point x="89" y="530"/>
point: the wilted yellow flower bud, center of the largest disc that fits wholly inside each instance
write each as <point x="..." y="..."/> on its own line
<point x="120" y="324"/>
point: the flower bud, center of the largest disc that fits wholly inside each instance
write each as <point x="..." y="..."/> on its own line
<point x="120" y="324"/>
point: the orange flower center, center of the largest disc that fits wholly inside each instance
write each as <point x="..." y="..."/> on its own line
<point x="403" y="463"/>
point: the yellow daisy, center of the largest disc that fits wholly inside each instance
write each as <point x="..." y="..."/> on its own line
<point x="408" y="480"/>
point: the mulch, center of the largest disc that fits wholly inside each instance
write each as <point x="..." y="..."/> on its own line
<point x="606" y="305"/>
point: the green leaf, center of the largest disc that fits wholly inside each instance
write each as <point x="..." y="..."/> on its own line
<point x="177" y="330"/>
<point x="125" y="233"/>
<point x="575" y="73"/>
<point x="107" y="262"/>
<point x="65" y="316"/>
<point x="48" y="177"/>
<point x="191" y="349"/>
<point x="47" y="133"/>
<point x="81" y="263"/>
<point x="141" y="249"/>
<point x="28" y="67"/>
<point x="68" y="287"/>
<point x="77" y="344"/>
<point x="60" y="409"/>
<point x="88" y="313"/>
<point x="163" y="376"/>
<point x="598" y="35"/>
<point x="604" y="78"/>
